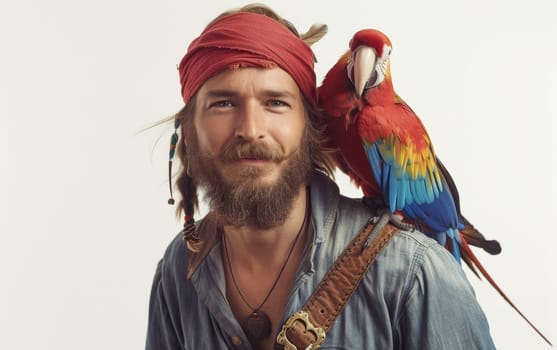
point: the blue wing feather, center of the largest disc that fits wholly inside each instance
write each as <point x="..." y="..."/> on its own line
<point x="422" y="198"/>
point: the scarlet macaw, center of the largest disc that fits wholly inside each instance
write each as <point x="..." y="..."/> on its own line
<point x="384" y="148"/>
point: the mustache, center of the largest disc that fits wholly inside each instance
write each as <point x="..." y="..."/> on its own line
<point x="240" y="149"/>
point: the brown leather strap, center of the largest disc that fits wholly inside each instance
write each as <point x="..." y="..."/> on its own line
<point x="307" y="328"/>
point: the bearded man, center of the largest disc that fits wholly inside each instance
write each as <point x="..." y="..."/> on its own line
<point x="250" y="138"/>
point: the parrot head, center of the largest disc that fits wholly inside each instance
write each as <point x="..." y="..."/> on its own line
<point x="368" y="64"/>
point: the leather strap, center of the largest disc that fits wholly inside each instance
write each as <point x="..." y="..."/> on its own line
<point x="306" y="329"/>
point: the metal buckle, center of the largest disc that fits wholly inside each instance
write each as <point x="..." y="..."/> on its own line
<point x="303" y="317"/>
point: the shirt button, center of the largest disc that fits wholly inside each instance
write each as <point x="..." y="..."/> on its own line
<point x="236" y="341"/>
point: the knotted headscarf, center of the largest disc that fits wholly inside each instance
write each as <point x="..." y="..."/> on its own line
<point x="247" y="39"/>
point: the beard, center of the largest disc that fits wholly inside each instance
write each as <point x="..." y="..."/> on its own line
<point x="247" y="201"/>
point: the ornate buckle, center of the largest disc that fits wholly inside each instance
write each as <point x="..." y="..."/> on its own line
<point x="303" y="317"/>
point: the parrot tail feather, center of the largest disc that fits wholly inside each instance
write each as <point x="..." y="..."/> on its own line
<point x="470" y="258"/>
<point x="474" y="237"/>
<point x="470" y="264"/>
<point x="454" y="248"/>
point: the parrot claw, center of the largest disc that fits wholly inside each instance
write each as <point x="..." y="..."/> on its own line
<point x="380" y="222"/>
<point x="397" y="221"/>
<point x="378" y="206"/>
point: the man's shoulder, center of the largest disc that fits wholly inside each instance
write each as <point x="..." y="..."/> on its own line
<point x="175" y="256"/>
<point x="343" y="217"/>
<point x="413" y="254"/>
<point x="415" y="240"/>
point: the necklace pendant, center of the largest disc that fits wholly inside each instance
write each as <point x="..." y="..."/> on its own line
<point x="258" y="325"/>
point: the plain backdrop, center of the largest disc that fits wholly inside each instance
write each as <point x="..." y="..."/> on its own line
<point x="83" y="216"/>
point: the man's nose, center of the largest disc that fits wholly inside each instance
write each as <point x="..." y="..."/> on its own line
<point x="251" y="123"/>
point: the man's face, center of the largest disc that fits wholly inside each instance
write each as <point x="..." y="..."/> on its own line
<point x="248" y="149"/>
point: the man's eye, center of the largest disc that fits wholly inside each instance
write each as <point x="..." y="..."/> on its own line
<point x="277" y="103"/>
<point x="221" y="104"/>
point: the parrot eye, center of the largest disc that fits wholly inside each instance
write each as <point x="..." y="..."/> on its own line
<point x="373" y="79"/>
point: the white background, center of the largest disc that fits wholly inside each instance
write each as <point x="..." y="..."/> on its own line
<point x="83" y="216"/>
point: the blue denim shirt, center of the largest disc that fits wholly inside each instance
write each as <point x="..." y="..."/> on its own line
<point x="415" y="295"/>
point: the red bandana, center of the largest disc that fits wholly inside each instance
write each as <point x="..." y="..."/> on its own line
<point x="247" y="39"/>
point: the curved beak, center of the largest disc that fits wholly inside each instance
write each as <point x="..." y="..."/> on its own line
<point x="364" y="64"/>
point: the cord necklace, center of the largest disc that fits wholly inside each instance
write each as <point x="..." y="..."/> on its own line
<point x="258" y="324"/>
